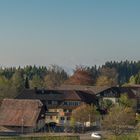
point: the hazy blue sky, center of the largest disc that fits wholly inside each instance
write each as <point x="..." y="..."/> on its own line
<point x="68" y="32"/>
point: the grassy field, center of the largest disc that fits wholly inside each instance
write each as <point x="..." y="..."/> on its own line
<point x="135" y="136"/>
<point x="42" y="138"/>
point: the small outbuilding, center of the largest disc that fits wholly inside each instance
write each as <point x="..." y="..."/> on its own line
<point x="22" y="115"/>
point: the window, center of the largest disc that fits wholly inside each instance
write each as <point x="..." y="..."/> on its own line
<point x="65" y="110"/>
<point x="62" y="118"/>
<point x="65" y="103"/>
<point x="71" y="103"/>
<point x="54" y="102"/>
<point x="68" y="118"/>
<point x="49" y="102"/>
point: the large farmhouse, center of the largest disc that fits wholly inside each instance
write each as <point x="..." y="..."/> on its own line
<point x="59" y="104"/>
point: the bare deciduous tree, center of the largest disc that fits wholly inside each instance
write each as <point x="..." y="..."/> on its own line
<point x="119" y="120"/>
<point x="85" y="113"/>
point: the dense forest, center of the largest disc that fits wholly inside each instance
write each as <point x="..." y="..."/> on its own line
<point x="13" y="80"/>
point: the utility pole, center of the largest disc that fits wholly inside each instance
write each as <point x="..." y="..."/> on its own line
<point x="22" y="125"/>
<point x="138" y="100"/>
<point x="89" y="120"/>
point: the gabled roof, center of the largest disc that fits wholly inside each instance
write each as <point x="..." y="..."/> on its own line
<point x="131" y="92"/>
<point x="94" y="89"/>
<point x="87" y="96"/>
<point x="70" y="95"/>
<point x="40" y="94"/>
<point x="59" y="95"/>
<point x="14" y="112"/>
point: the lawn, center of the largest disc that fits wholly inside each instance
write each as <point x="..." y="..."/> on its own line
<point x="134" y="136"/>
<point x="42" y="138"/>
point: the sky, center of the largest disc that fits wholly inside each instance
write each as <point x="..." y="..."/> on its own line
<point x="68" y="32"/>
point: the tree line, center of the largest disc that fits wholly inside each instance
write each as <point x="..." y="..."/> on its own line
<point x="13" y="80"/>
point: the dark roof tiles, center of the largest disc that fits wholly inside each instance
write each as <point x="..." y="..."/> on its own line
<point x="59" y="95"/>
<point x="94" y="89"/>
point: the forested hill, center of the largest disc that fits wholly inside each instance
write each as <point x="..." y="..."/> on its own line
<point x="124" y="69"/>
<point x="13" y="80"/>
